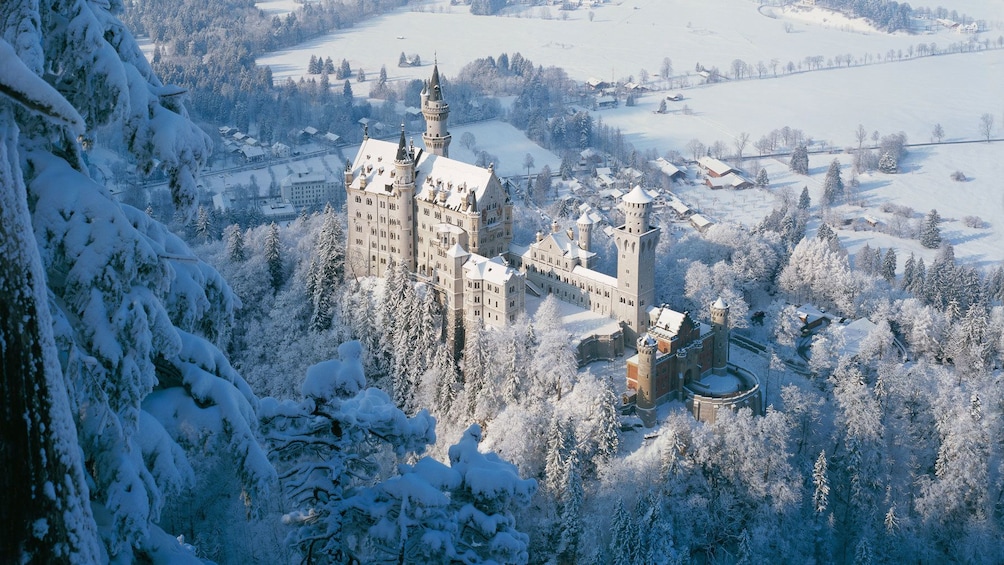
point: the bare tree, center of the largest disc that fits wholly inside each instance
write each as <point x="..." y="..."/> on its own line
<point x="467" y="140"/>
<point x="696" y="148"/>
<point x="761" y="69"/>
<point x="740" y="142"/>
<point x="861" y="135"/>
<point x="986" y="125"/>
<point x="718" y="149"/>
<point x="938" y="133"/>
<point x="666" y="70"/>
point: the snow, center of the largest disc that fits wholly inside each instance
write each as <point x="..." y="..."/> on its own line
<point x="909" y="95"/>
<point x="579" y="322"/>
<point x="336" y="377"/>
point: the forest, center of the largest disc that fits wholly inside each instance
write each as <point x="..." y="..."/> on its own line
<point x="227" y="395"/>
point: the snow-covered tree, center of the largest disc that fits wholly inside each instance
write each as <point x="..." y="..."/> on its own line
<point x="930" y="233"/>
<point x="888" y="164"/>
<point x="134" y="314"/>
<point x="762" y="181"/>
<point x="799" y="162"/>
<point x="833" y="185"/>
<point x="803" y="199"/>
<point x="46" y="514"/>
<point x="326" y="268"/>
<point x="328" y="446"/>
<point x="273" y="256"/>
<point x="235" y="243"/>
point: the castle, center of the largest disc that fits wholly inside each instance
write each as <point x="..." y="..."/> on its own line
<point x="682" y="359"/>
<point x="451" y="223"/>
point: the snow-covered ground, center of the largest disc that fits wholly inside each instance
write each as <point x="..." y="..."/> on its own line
<point x="908" y="96"/>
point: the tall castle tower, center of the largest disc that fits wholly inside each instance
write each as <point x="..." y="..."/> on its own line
<point x="720" y="327"/>
<point x="436" y="112"/>
<point x="404" y="190"/>
<point x="636" y="240"/>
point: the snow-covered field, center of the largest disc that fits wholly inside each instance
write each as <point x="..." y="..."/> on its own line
<point x="620" y="39"/>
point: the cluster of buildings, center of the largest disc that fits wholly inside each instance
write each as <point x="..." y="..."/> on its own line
<point x="451" y="223"/>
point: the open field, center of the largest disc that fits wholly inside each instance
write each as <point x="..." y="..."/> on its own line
<point x="909" y="95"/>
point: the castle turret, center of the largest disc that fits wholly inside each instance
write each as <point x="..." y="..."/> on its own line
<point x="645" y="403"/>
<point x="585" y="225"/>
<point x="436" y="111"/>
<point x="348" y="174"/>
<point x="720" y="327"/>
<point x="404" y="188"/>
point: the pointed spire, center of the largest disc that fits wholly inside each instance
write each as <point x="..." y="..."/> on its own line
<point x="402" y="148"/>
<point x="435" y="92"/>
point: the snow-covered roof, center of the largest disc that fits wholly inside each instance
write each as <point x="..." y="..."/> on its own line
<point x="604" y="171"/>
<point x="719" y="304"/>
<point x="611" y="193"/>
<point x="456" y="251"/>
<point x="304" y="177"/>
<point x="560" y="241"/>
<point x="678" y="206"/>
<point x="637" y="196"/>
<point x="584" y="219"/>
<point x="250" y="152"/>
<point x="331" y="137"/>
<point x="714" y="165"/>
<point x="666" y="167"/>
<point x="493" y="270"/>
<point x="433" y="174"/>
<point x="595" y="276"/>
<point x="700" y="222"/>
<point x="731" y="180"/>
<point x="309" y="130"/>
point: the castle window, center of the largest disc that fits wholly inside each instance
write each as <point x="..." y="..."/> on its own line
<point x="359" y="198"/>
<point x="383" y="204"/>
<point x="369" y="201"/>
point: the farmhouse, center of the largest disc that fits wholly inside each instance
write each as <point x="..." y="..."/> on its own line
<point x="713" y="167"/>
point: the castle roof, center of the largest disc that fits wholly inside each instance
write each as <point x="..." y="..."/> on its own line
<point x="559" y="241"/>
<point x="584" y="219"/>
<point x="456" y="251"/>
<point x="434" y="174"/>
<point x="434" y="90"/>
<point x="720" y="304"/>
<point x="493" y="270"/>
<point x="637" y="196"/>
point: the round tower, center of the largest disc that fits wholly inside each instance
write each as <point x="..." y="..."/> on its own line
<point x="637" y="206"/>
<point x="436" y="111"/>
<point x="585" y="225"/>
<point x="404" y="189"/>
<point x="645" y="403"/>
<point x="720" y="329"/>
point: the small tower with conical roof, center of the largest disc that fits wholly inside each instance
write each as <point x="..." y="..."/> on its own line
<point x="585" y="225"/>
<point x="436" y="111"/>
<point x="404" y="189"/>
<point x="645" y="401"/>
<point x="720" y="328"/>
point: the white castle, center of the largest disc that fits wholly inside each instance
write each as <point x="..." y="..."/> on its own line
<point x="451" y="223"/>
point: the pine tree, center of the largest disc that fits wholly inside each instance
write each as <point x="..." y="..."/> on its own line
<point x="328" y="67"/>
<point x="235" y="243"/>
<point x="918" y="284"/>
<point x="382" y="80"/>
<point x="203" y="225"/>
<point x="360" y="75"/>
<point x="273" y="256"/>
<point x="327" y="266"/>
<point x="833" y="185"/>
<point x="800" y="160"/>
<point x="344" y="71"/>
<point x="803" y="199"/>
<point x="623" y="537"/>
<point x="131" y="319"/>
<point x="909" y="268"/>
<point x="761" y="179"/>
<point x="887" y="164"/>
<point x="930" y="234"/>
<point x="889" y="265"/>
<point x="312" y="68"/>
<point x="821" y="492"/>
